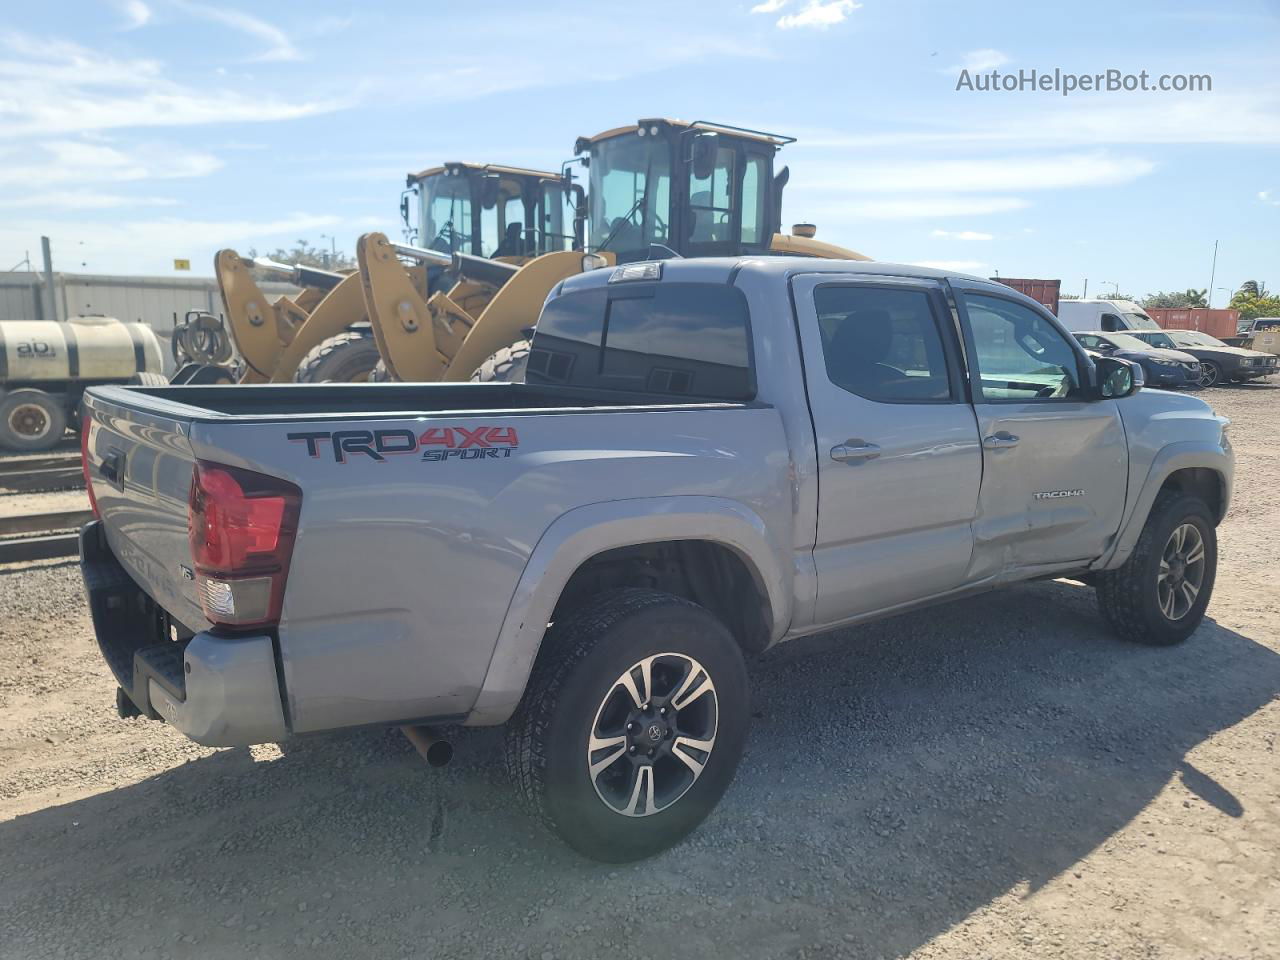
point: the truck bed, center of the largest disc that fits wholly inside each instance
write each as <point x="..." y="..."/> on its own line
<point x="328" y="401"/>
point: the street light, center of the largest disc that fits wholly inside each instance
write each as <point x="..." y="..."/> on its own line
<point x="1115" y="287"/>
<point x="333" y="248"/>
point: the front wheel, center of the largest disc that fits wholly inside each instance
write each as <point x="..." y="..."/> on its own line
<point x="632" y="725"/>
<point x="1158" y="597"/>
<point x="1210" y="373"/>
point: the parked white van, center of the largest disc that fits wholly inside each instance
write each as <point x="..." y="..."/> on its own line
<point x="1110" y="316"/>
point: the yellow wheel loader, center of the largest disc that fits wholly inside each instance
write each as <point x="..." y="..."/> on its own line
<point x="475" y="211"/>
<point x="657" y="188"/>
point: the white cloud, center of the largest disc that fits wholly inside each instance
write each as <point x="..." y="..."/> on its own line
<point x="912" y="208"/>
<point x="769" y="6"/>
<point x="149" y="246"/>
<point x="1266" y="196"/>
<point x="81" y="200"/>
<point x="953" y="266"/>
<point x="979" y="61"/>
<point x="279" y="46"/>
<point x="819" y="14"/>
<point x="136" y="13"/>
<point x="961" y="235"/>
<point x="983" y="174"/>
<point x="75" y="161"/>
<point x="52" y="87"/>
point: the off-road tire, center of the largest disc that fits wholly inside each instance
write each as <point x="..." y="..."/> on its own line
<point x="1127" y="596"/>
<point x="145" y="378"/>
<point x="506" y="366"/>
<point x="344" y="358"/>
<point x="580" y="660"/>
<point x="31" y="420"/>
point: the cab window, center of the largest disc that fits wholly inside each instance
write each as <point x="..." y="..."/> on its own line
<point x="1019" y="355"/>
<point x="883" y="344"/>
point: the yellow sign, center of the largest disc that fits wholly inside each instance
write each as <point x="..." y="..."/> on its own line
<point x="182" y="264"/>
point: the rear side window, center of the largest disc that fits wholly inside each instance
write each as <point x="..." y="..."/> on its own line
<point x="882" y="344"/>
<point x="675" y="339"/>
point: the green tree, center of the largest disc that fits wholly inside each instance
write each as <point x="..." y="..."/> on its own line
<point x="1252" y="307"/>
<point x="1187" y="298"/>
<point x="305" y="254"/>
<point x="1254" y="288"/>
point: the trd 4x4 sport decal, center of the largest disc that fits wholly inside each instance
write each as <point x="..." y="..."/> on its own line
<point x="436" y="444"/>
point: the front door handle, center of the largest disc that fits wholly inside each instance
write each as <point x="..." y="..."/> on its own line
<point x="1000" y="441"/>
<point x="854" y="451"/>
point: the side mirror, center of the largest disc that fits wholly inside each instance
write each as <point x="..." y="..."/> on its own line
<point x="1115" y="379"/>
<point x="705" y="147"/>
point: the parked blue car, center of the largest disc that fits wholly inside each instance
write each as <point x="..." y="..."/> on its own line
<point x="1163" y="368"/>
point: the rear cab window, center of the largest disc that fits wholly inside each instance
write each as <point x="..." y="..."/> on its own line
<point x="685" y="340"/>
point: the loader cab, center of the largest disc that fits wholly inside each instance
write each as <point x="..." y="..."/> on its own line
<point x="490" y="210"/>
<point x="698" y="189"/>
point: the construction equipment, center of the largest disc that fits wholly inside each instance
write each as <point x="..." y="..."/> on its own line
<point x="322" y="334"/>
<point x="656" y="188"/>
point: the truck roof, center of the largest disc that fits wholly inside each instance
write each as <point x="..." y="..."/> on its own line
<point x="718" y="269"/>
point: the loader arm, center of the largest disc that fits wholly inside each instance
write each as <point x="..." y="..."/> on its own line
<point x="341" y="307"/>
<point x="260" y="329"/>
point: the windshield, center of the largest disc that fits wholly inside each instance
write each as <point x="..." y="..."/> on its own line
<point x="1140" y="321"/>
<point x="1194" y="338"/>
<point x="1125" y="342"/>
<point x="630" y="194"/>
<point x="1158" y="340"/>
<point x="446" y="214"/>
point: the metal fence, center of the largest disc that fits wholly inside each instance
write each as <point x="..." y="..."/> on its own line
<point x="150" y="300"/>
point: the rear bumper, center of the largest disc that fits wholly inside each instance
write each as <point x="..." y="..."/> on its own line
<point x="221" y="691"/>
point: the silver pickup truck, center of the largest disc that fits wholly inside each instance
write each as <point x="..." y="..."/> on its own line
<point x="708" y="457"/>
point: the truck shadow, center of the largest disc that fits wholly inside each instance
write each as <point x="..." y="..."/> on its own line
<point x="899" y="776"/>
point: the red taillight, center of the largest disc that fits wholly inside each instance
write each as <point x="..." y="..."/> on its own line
<point x="86" y="424"/>
<point x="241" y="526"/>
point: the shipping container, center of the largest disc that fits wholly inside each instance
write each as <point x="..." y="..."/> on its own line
<point x="1042" y="291"/>
<point x="1216" y="323"/>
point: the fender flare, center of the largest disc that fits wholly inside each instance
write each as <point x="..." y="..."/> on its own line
<point x="1183" y="455"/>
<point x="586" y="531"/>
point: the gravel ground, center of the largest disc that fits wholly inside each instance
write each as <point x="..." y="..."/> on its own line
<point x="996" y="778"/>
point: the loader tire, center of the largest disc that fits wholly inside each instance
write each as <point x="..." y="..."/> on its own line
<point x="345" y="358"/>
<point x="144" y="378"/>
<point x="506" y="366"/>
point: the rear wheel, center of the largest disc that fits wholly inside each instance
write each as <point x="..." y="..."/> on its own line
<point x="1210" y="373"/>
<point x="31" y="420"/>
<point x="1158" y="597"/>
<point x="632" y="725"/>
<point x="505" y="366"/>
<point x="345" y="358"/>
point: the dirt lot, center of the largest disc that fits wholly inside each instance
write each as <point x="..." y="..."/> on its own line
<point x="998" y="778"/>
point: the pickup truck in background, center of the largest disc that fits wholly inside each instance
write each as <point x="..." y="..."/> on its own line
<point x="709" y="457"/>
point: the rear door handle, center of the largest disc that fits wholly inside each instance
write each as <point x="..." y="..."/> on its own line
<point x="1000" y="441"/>
<point x="854" y="451"/>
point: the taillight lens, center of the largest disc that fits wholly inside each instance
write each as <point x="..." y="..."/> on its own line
<point x="86" y="424"/>
<point x="241" y="526"/>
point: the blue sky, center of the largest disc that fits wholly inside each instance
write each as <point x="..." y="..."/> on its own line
<point x="137" y="131"/>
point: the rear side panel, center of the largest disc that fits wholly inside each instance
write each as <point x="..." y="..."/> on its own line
<point x="414" y="532"/>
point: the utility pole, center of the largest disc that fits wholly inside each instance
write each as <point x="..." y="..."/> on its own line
<point x="50" y="300"/>
<point x="1085" y="294"/>
<point x="1213" y="271"/>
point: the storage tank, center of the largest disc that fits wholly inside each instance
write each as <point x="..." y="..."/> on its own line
<point x="1216" y="323"/>
<point x="46" y="365"/>
<point x="96" y="349"/>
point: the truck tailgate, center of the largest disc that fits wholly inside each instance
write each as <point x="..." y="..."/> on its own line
<point x="140" y="466"/>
